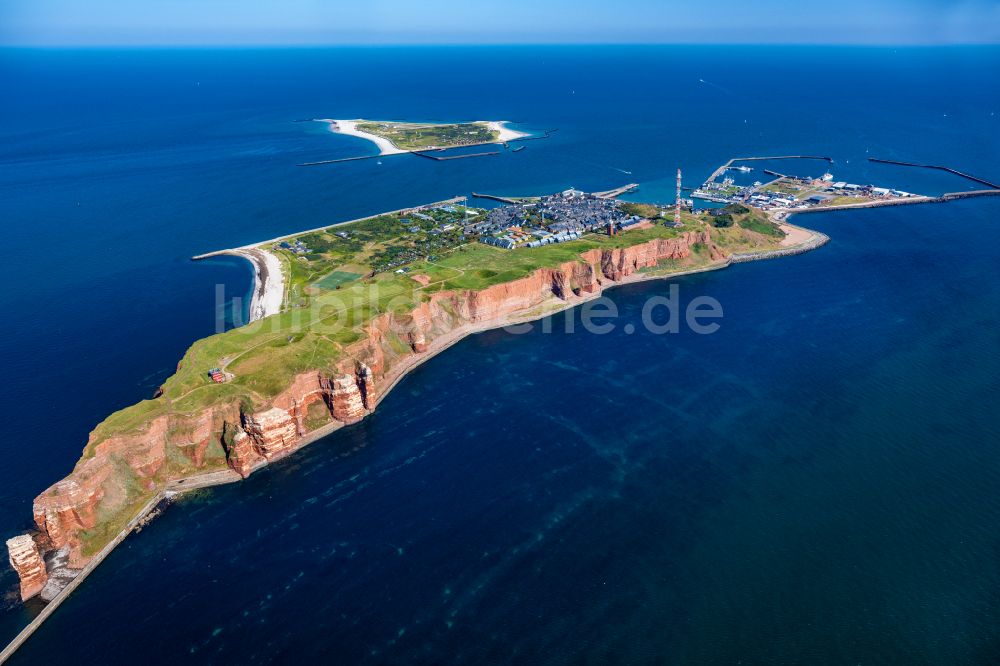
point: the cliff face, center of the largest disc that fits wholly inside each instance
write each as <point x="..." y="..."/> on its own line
<point x="27" y="562"/>
<point x="121" y="466"/>
<point x="269" y="434"/>
<point x="620" y="263"/>
<point x="71" y="504"/>
<point x="120" y="470"/>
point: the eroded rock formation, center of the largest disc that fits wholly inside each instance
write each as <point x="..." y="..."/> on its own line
<point x="26" y="560"/>
<point x="242" y="454"/>
<point x="273" y="431"/>
<point x="348" y="405"/>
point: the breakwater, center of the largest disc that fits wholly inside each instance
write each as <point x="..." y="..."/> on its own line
<point x="618" y="191"/>
<point x="544" y="135"/>
<point x="937" y="167"/>
<point x="494" y="197"/>
<point x="722" y="169"/>
<point x="817" y="240"/>
<point x="881" y="203"/>
<point x="173" y="489"/>
<point x="454" y="157"/>
<point x="340" y="159"/>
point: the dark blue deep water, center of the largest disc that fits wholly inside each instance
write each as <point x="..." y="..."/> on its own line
<point x="817" y="482"/>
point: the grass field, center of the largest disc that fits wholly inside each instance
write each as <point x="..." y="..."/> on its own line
<point x="336" y="279"/>
<point x="844" y="200"/>
<point x="421" y="136"/>
<point x="380" y="244"/>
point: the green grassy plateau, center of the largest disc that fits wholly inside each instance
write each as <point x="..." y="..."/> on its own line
<point x="421" y="136"/>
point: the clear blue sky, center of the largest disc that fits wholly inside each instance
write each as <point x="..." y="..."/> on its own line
<point x="305" y="22"/>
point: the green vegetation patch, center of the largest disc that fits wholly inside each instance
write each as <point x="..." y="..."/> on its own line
<point x="844" y="201"/>
<point x="761" y="225"/>
<point x="336" y="279"/>
<point x="646" y="210"/>
<point x="421" y="136"/>
<point x="747" y="218"/>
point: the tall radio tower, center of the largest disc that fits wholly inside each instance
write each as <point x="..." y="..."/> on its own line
<point x="677" y="203"/>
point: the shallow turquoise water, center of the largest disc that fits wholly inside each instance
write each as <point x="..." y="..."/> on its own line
<point x="815" y="483"/>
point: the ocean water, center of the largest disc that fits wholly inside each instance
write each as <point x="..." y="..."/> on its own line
<point x="814" y="483"/>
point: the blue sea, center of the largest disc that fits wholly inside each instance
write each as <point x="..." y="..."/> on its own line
<point x="818" y="482"/>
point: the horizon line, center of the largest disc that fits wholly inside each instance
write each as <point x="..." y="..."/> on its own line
<point x="322" y="45"/>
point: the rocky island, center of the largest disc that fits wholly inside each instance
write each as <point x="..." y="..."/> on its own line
<point x="362" y="303"/>
<point x="341" y="313"/>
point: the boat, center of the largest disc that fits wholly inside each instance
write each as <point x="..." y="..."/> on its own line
<point x="519" y="148"/>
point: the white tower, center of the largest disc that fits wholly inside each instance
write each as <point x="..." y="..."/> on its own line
<point x="677" y="202"/>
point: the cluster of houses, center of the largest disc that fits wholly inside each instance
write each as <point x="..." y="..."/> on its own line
<point x="555" y="218"/>
<point x="445" y="232"/>
<point x="546" y="238"/>
<point x="297" y="247"/>
<point x="518" y="237"/>
<point x="574" y="210"/>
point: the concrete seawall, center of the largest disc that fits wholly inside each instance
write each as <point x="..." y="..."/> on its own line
<point x="881" y="203"/>
<point x="818" y="240"/>
<point x="173" y="489"/>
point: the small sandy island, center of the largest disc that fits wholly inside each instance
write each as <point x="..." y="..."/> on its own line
<point x="387" y="147"/>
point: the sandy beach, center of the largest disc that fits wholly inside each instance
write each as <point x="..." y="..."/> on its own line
<point x="506" y="134"/>
<point x="269" y="282"/>
<point x="350" y="127"/>
<point x="794" y="235"/>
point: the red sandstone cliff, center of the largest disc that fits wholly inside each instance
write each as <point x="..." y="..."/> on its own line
<point x="122" y="466"/>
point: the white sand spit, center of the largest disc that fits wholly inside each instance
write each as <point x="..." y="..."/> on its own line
<point x="350" y="127"/>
